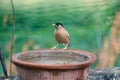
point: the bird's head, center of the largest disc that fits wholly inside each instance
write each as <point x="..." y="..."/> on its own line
<point x="57" y="25"/>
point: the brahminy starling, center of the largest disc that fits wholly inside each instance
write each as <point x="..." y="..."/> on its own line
<point x="61" y="35"/>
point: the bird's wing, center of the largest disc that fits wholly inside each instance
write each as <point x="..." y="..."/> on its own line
<point x="68" y="35"/>
<point x="69" y="39"/>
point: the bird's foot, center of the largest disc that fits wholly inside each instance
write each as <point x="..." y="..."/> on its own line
<point x="53" y="47"/>
<point x="64" y="48"/>
<point x="8" y="79"/>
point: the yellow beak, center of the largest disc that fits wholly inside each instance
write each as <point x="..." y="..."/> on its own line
<point x="53" y="25"/>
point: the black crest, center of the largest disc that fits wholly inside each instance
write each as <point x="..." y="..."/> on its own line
<point x="57" y="24"/>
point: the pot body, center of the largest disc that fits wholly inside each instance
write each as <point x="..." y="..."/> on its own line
<point x="25" y="73"/>
<point x="64" y="71"/>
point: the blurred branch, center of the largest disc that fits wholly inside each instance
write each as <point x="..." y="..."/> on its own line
<point x="103" y="55"/>
<point x="115" y="32"/>
<point x="12" y="35"/>
<point x="111" y="47"/>
<point x="5" y="18"/>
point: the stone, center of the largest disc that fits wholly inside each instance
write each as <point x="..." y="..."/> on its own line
<point x="105" y="74"/>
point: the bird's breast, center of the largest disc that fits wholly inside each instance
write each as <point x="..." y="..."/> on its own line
<point x="61" y="36"/>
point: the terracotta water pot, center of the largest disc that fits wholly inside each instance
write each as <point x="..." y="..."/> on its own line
<point x="53" y="64"/>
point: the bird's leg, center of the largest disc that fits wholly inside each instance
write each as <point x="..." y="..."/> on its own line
<point x="54" y="47"/>
<point x="66" y="46"/>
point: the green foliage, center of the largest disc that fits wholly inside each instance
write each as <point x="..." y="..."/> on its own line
<point x="87" y="23"/>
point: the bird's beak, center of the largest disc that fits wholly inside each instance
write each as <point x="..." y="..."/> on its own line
<point x="53" y="25"/>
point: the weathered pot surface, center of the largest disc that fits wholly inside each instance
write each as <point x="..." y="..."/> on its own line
<point x="56" y="64"/>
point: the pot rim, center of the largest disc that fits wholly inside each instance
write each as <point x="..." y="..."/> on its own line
<point x="17" y="62"/>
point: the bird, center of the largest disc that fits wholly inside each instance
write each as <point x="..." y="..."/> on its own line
<point x="61" y="35"/>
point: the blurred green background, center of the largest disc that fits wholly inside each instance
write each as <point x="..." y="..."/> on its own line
<point x="87" y="21"/>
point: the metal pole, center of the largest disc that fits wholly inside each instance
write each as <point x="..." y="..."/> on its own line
<point x="2" y="60"/>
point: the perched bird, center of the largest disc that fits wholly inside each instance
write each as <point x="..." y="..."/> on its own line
<point x="61" y="35"/>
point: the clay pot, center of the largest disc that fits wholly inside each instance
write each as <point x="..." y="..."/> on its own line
<point x="53" y="64"/>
